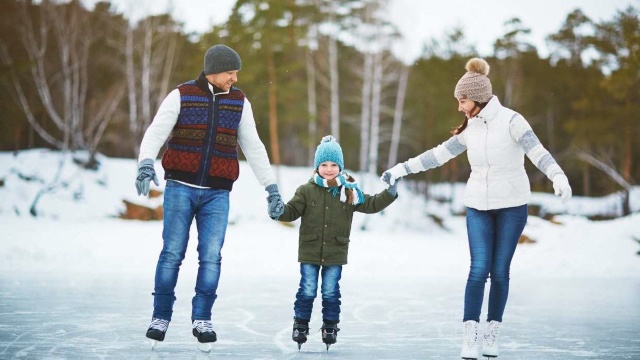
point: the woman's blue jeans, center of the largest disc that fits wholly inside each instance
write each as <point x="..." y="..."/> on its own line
<point x="309" y="289"/>
<point x="493" y="237"/>
<point x="210" y="208"/>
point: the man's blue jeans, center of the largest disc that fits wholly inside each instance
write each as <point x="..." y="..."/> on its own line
<point x="309" y="289"/>
<point x="210" y="208"/>
<point x="493" y="237"/>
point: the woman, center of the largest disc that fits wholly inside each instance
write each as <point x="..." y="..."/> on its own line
<point x="496" y="139"/>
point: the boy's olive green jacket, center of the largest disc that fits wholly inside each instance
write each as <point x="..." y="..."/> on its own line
<point x="326" y="222"/>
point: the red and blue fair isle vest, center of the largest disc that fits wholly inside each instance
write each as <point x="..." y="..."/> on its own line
<point x="202" y="147"/>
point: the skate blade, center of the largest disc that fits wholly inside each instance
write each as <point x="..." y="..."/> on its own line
<point x="204" y="347"/>
<point x="154" y="344"/>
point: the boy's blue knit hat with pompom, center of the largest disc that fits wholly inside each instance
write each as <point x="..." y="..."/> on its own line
<point x="329" y="150"/>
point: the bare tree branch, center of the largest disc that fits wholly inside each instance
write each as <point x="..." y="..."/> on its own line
<point x="604" y="167"/>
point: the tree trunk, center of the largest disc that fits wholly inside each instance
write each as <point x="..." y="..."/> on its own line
<point x="335" y="96"/>
<point x="134" y="127"/>
<point x="376" y="103"/>
<point x="397" y="117"/>
<point x="311" y="104"/>
<point x="273" y="108"/>
<point x="365" y="118"/>
<point x="628" y="140"/>
<point x="145" y="73"/>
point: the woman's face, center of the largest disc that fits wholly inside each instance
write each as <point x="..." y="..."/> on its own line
<point x="328" y="170"/>
<point x="468" y="107"/>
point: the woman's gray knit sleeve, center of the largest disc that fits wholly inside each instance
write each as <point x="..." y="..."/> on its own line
<point x="437" y="156"/>
<point x="523" y="134"/>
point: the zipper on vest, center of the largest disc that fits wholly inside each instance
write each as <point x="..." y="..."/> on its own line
<point x="209" y="140"/>
<point x="486" y="157"/>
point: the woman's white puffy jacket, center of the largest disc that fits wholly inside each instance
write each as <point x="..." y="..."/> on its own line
<point x="496" y="140"/>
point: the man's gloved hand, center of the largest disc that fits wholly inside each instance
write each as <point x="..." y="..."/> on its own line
<point x="146" y="173"/>
<point x="276" y="206"/>
<point x="394" y="173"/>
<point x="561" y="187"/>
<point x="393" y="189"/>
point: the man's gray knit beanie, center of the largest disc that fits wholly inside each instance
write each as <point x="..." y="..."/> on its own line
<point x="221" y="58"/>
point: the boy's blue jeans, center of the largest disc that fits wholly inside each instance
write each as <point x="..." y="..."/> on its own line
<point x="493" y="237"/>
<point x="309" y="289"/>
<point x="210" y="207"/>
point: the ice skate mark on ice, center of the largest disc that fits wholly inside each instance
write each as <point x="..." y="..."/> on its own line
<point x="282" y="339"/>
<point x="243" y="324"/>
<point x="400" y="313"/>
<point x="14" y="341"/>
<point x="359" y="314"/>
<point x="81" y="334"/>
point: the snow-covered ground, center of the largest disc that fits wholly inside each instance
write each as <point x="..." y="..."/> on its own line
<point x="76" y="282"/>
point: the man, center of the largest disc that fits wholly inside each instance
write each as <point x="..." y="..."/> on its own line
<point x="203" y="120"/>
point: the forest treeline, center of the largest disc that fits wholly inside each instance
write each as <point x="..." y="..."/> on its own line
<point x="79" y="78"/>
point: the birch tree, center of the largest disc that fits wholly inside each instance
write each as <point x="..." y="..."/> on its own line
<point x="507" y="50"/>
<point x="312" y="106"/>
<point x="333" y="76"/>
<point x="149" y="50"/>
<point x="365" y="109"/>
<point x="376" y="103"/>
<point x="398" y="114"/>
<point x="57" y="39"/>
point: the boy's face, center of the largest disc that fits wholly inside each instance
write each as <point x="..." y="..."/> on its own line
<point x="328" y="170"/>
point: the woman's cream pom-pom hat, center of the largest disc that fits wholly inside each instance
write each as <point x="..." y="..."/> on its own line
<point x="474" y="84"/>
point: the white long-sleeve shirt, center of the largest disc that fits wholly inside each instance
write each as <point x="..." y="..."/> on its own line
<point x="248" y="138"/>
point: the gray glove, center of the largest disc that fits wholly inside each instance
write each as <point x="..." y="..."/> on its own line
<point x="276" y="206"/>
<point x="146" y="173"/>
<point x="393" y="189"/>
<point x="394" y="173"/>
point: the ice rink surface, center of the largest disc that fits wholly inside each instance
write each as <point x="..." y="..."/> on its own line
<point x="106" y="318"/>
<point x="76" y="282"/>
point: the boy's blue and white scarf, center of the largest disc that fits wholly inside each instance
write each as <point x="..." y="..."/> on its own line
<point x="344" y="184"/>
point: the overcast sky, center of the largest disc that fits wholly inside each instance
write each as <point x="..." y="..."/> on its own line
<point x="417" y="20"/>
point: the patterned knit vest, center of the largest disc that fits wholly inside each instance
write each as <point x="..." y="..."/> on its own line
<point x="202" y="147"/>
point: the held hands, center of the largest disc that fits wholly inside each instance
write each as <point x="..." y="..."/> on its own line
<point x="393" y="189"/>
<point x="561" y="187"/>
<point x="276" y="206"/>
<point x="146" y="173"/>
<point x="390" y="176"/>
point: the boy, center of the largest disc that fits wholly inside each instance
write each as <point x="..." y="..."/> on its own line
<point x="326" y="205"/>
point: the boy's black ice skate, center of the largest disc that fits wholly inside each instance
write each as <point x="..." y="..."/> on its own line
<point x="203" y="331"/>
<point x="329" y="333"/>
<point x="157" y="330"/>
<point x="300" y="332"/>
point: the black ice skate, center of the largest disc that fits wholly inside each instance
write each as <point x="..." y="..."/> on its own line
<point x="300" y="332"/>
<point x="329" y="333"/>
<point x="203" y="331"/>
<point x="157" y="330"/>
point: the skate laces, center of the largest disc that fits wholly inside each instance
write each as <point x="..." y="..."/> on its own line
<point x="329" y="329"/>
<point x="203" y="326"/>
<point x="159" y="324"/>
<point x="491" y="335"/>
<point x="470" y="332"/>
